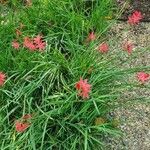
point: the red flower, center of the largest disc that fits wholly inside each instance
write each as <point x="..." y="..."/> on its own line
<point x="39" y="42"/>
<point x="135" y="18"/>
<point x="15" y="45"/>
<point x="20" y="126"/>
<point x="103" y="48"/>
<point x="83" y="87"/>
<point x="34" y="44"/>
<point x="28" y="43"/>
<point x="41" y="46"/>
<point x="91" y="37"/>
<point x="128" y="46"/>
<point x="2" y="78"/>
<point x="143" y="77"/>
<point x="38" y="39"/>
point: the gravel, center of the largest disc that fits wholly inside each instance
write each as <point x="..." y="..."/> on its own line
<point x="134" y="118"/>
<point x="131" y="5"/>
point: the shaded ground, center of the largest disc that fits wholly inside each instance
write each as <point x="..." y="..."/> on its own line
<point x="131" y="5"/>
<point x="134" y="119"/>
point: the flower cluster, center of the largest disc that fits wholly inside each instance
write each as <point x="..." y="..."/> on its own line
<point x="133" y="19"/>
<point x="32" y="44"/>
<point x="104" y="47"/>
<point x="35" y="43"/>
<point x="82" y="86"/>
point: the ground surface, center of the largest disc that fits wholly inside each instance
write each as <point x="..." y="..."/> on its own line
<point x="134" y="120"/>
<point x="130" y="5"/>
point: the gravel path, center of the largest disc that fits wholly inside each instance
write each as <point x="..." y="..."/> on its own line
<point x="131" y="5"/>
<point x="134" y="119"/>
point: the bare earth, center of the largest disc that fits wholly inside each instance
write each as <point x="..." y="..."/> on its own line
<point x="134" y="118"/>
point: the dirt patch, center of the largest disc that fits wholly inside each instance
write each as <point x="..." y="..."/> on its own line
<point x="134" y="119"/>
<point x="130" y="6"/>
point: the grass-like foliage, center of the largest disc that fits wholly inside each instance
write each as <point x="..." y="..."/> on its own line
<point x="43" y="83"/>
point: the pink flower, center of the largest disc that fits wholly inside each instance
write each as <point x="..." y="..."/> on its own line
<point x="41" y="46"/>
<point x="83" y="88"/>
<point x="38" y="39"/>
<point x="2" y="78"/>
<point x="15" y="45"/>
<point x="103" y="48"/>
<point x="34" y="44"/>
<point x="135" y="18"/>
<point x="128" y="46"/>
<point x="91" y="37"/>
<point x="28" y="43"/>
<point x="39" y="42"/>
<point x="143" y="77"/>
<point x="20" y="126"/>
<point x="24" y="123"/>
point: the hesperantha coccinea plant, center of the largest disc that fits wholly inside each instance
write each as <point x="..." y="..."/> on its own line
<point x="57" y="82"/>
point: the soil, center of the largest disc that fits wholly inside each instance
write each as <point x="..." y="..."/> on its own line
<point x="134" y="119"/>
<point x="130" y="6"/>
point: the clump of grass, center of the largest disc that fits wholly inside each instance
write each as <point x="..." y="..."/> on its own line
<point x="43" y="84"/>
